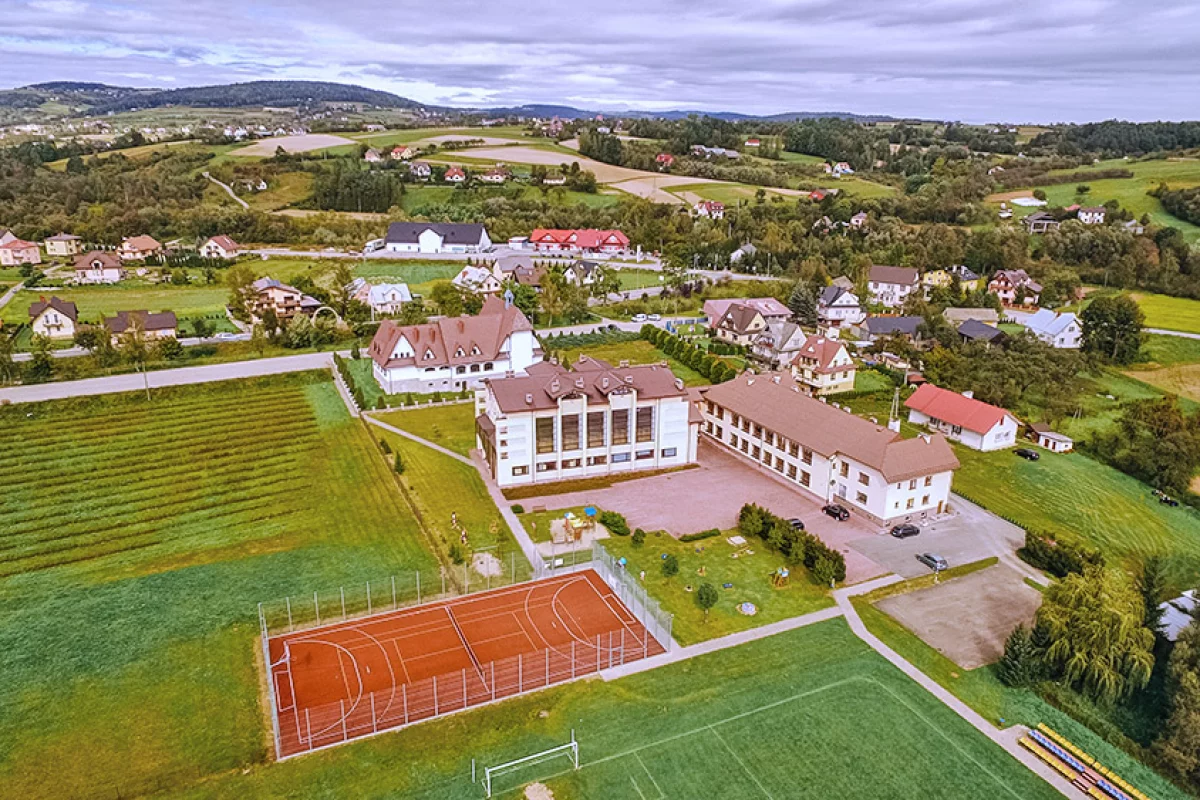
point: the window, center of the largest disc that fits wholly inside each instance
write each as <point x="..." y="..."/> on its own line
<point x="720" y="432"/>
<point x="620" y="426"/>
<point x="545" y="434"/>
<point x="745" y="445"/>
<point x="766" y="457"/>
<point x="645" y="424"/>
<point x="669" y="452"/>
<point x="642" y="455"/>
<point x="520" y="471"/>
<point x="845" y="470"/>
<point x="620" y="458"/>
<point x="595" y="429"/>
<point x="909" y="504"/>
<point x="929" y="480"/>
<point x="778" y="464"/>
<point x="807" y="456"/>
<point x="595" y="461"/>
<point x="805" y="478"/>
<point x="758" y="432"/>
<point x="860" y="498"/>
<point x="769" y="438"/>
<point x="488" y="366"/>
<point x="791" y="471"/>
<point x="793" y="449"/>
<point x="474" y="368"/>
<point x="912" y="484"/>
<point x="925" y="500"/>
<point x="956" y="430"/>
<point x="708" y="428"/>
<point x="570" y="432"/>
<point x="570" y="463"/>
<point x="745" y="425"/>
<point x="864" y="479"/>
<point x="756" y="452"/>
<point x="548" y="466"/>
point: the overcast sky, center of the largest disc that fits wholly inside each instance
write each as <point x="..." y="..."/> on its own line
<point x="975" y="60"/>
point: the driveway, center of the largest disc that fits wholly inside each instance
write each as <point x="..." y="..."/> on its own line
<point x="967" y="619"/>
<point x="710" y="496"/>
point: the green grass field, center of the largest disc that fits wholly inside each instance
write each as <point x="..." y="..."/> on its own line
<point x="1171" y="313"/>
<point x="810" y="713"/>
<point x="453" y="427"/>
<point x="636" y="351"/>
<point x="1167" y="351"/>
<point x="1074" y="494"/>
<point x="138" y="538"/>
<point x="188" y="302"/>
<point x="749" y="574"/>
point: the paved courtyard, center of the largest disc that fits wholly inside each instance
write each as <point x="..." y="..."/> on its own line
<point x="710" y="496"/>
<point x="967" y="619"/>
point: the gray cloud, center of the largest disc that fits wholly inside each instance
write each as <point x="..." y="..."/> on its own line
<point x="979" y="60"/>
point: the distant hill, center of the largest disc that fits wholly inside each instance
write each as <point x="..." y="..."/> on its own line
<point x="260" y="93"/>
<point x="570" y="112"/>
<point x="70" y="93"/>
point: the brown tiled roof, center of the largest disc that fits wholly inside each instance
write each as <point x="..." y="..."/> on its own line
<point x="67" y="309"/>
<point x="107" y="260"/>
<point x="823" y="350"/>
<point x="224" y="242"/>
<point x="158" y="321"/>
<point x="141" y="243"/>
<point x="767" y="306"/>
<point x="905" y="276"/>
<point x="738" y="318"/>
<point x="443" y="338"/>
<point x="590" y="377"/>
<point x="776" y="403"/>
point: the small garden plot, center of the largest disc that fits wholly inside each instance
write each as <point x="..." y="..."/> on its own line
<point x="451" y="426"/>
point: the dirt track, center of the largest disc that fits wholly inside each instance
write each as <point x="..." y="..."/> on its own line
<point x="265" y="148"/>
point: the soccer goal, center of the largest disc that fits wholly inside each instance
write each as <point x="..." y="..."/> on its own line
<point x="570" y="750"/>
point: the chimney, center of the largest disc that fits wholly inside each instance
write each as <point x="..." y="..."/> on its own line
<point x="629" y="379"/>
<point x="970" y="395"/>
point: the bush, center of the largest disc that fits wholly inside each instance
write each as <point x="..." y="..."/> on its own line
<point x="695" y="537"/>
<point x="399" y="464"/>
<point x="1058" y="556"/>
<point x="384" y="446"/>
<point x="456" y="553"/>
<point x="616" y="523"/>
<point x="799" y="547"/>
<point x="670" y="566"/>
<point x="518" y="508"/>
<point x="381" y="403"/>
<point x="639" y="537"/>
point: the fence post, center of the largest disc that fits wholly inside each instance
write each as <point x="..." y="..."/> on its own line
<point x="404" y="698"/>
<point x="493" y="680"/>
<point x="520" y="672"/>
<point x="393" y="592"/>
<point x="466" y="579"/>
<point x="308" y="726"/>
<point x="342" y="589"/>
<point x="597" y="652"/>
<point x="289" y="609"/>
<point x="547" y="666"/>
<point x="418" y="587"/>
<point x="512" y="568"/>
<point x="374" y="719"/>
<point x="342" y="703"/>
<point x="317" y="606"/>
<point x="572" y="659"/>
<point x="435" y="700"/>
<point x="464" y="676"/>
<point x="368" y="597"/>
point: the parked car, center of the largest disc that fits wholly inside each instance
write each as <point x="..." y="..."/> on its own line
<point x="838" y="512"/>
<point x="1027" y="454"/>
<point x="904" y="531"/>
<point x="654" y="317"/>
<point x="797" y="524"/>
<point x="639" y="317"/>
<point x="933" y="561"/>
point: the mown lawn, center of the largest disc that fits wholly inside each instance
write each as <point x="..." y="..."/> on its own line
<point x="868" y="380"/>
<point x="188" y="302"/>
<point x="1074" y="494"/>
<point x="1171" y="313"/>
<point x="453" y="426"/>
<point x="1160" y="350"/>
<point x="797" y="714"/>
<point x="137" y="540"/>
<point x="749" y="576"/>
<point x="636" y="351"/>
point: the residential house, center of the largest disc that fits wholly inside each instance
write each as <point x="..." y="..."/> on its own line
<point x="522" y="270"/>
<point x="968" y="280"/>
<point x="593" y="419"/>
<point x="741" y="324"/>
<point x="420" y="170"/>
<point x="220" y="247"/>
<point x="496" y="175"/>
<point x="841" y="168"/>
<point x="957" y="316"/>
<point x="1062" y="331"/>
<point x="286" y="301"/>
<point x="709" y="208"/>
<point x="859" y="220"/>
<point x="828" y="453"/>
<point x="1052" y="440"/>
<point x="876" y="328"/>
<point x="583" y="273"/>
<point x="6" y="236"/>
<point x="63" y="245"/>
<point x="402" y="152"/>
<point x="828" y="168"/>
<point x="139" y="248"/>
<point x="824" y="366"/>
<point x="838" y="306"/>
<point x="478" y="280"/>
<point x="1092" y="216"/>
<point x="962" y="418"/>
<point x="19" y="252"/>
<point x="454" y="353"/>
<point x="160" y="325"/>
<point x="372" y="156"/>
<point x="778" y="344"/>
<point x="753" y="143"/>
<point x="747" y="250"/>
<point x="53" y="318"/>
<point x="98" y="266"/>
<point x="891" y="286"/>
<point x="454" y="175"/>
<point x="701" y="151"/>
<point x="382" y="298"/>
<point x="768" y="307"/>
<point x="1134" y="227"/>
<point x="1015" y="287"/>
<point x="580" y="240"/>
<point x="436" y="237"/>
<point x="553" y="179"/>
<point x="664" y="161"/>
<point x="972" y="330"/>
<point x="1040" y="222"/>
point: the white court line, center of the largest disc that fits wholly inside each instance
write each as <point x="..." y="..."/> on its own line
<point x="396" y="647"/>
<point x="353" y="705"/>
<point x="661" y="794"/>
<point x="391" y="672"/>
<point x="741" y="763"/>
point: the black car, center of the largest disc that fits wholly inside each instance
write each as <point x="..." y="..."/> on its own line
<point x="1027" y="454"/>
<point x="840" y="513"/>
<point x="904" y="531"/>
<point x="797" y="524"/>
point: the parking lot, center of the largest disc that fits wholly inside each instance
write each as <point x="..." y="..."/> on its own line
<point x="967" y="619"/>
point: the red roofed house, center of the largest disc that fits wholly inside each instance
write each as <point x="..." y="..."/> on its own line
<point x="1015" y="287"/>
<point x="455" y="175"/>
<point x="768" y="307"/>
<point x="556" y="424"/>
<point x="824" y="366"/>
<point x="220" y="247"/>
<point x="454" y="353"/>
<point x="709" y="208"/>
<point x="962" y="418"/>
<point x="17" y="252"/>
<point x="753" y="143"/>
<point x="664" y="160"/>
<point x="584" y="240"/>
<point x="139" y="248"/>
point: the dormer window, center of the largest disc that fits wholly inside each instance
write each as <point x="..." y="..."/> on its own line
<point x="459" y="353"/>
<point x="475" y="350"/>
<point x="429" y="356"/>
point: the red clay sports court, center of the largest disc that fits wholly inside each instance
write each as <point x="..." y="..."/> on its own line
<point x="355" y="678"/>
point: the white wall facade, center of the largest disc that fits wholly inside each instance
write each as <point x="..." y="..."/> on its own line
<point x="1003" y="434"/>
<point x="516" y="355"/>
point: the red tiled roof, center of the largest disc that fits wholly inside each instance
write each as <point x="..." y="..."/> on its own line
<point x="966" y="412"/>
<point x="588" y="238"/>
<point x="821" y="349"/>
<point x="140" y="244"/>
<point x="224" y="242"/>
<point x="444" y="338"/>
<point x="18" y="244"/>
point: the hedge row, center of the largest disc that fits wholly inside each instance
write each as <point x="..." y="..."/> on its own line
<point x="696" y="537"/>
<point x="1058" y="556"/>
<point x="715" y="369"/>
<point x="799" y="547"/>
<point x="344" y="370"/>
